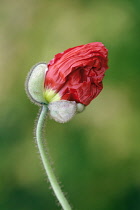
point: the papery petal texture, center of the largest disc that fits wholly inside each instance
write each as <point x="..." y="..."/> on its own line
<point x="77" y="73"/>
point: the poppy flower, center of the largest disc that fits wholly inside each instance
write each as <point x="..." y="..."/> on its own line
<point x="77" y="73"/>
<point x="63" y="87"/>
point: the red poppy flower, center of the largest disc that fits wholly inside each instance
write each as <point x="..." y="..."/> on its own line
<point x="77" y="73"/>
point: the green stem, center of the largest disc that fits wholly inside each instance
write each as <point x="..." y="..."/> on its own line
<point x="45" y="159"/>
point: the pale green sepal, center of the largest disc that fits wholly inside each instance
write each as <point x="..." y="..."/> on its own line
<point x="62" y="111"/>
<point x="35" y="83"/>
<point x="80" y="107"/>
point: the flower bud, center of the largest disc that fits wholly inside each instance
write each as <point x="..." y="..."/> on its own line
<point x="70" y="81"/>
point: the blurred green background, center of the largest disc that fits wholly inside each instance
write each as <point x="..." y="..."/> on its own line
<point x="96" y="156"/>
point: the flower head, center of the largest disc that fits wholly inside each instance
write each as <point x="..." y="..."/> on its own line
<point x="77" y="73"/>
<point x="70" y="81"/>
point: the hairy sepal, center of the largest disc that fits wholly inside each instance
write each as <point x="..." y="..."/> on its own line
<point x="35" y="83"/>
<point x="62" y="111"/>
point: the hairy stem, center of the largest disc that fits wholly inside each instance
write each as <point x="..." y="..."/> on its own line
<point x="45" y="159"/>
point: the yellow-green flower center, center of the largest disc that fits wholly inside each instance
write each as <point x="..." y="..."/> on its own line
<point x="51" y="96"/>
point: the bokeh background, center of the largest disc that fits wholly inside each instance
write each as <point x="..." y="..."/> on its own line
<point x="96" y="156"/>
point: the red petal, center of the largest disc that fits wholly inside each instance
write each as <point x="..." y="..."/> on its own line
<point x="77" y="73"/>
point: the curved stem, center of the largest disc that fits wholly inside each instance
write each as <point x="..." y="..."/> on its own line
<point x="45" y="159"/>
